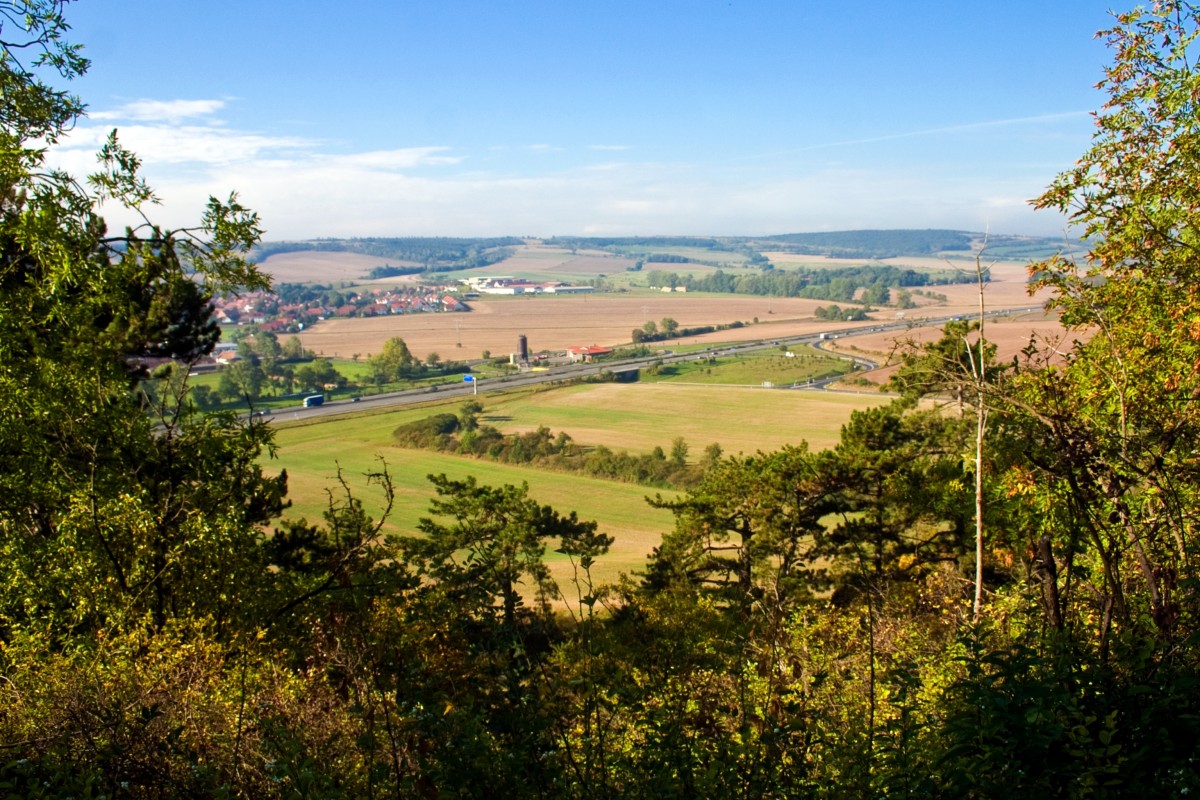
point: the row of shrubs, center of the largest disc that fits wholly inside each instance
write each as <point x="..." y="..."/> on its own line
<point x="464" y="435"/>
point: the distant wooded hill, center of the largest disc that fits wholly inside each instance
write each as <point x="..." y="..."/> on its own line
<point x="867" y="244"/>
<point x="444" y="253"/>
<point x="437" y="252"/>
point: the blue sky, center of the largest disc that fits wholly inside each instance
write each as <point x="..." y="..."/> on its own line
<point x="623" y="117"/>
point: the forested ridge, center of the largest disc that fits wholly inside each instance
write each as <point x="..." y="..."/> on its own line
<point x="989" y="594"/>
<point x="433" y="253"/>
<point x="860" y="244"/>
<point x="447" y="253"/>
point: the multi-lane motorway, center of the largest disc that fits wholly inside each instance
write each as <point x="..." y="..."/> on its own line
<point x="572" y="371"/>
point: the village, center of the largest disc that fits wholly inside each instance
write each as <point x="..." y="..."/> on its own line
<point x="271" y="312"/>
<point x="294" y="308"/>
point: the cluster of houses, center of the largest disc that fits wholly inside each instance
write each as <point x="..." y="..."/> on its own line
<point x="587" y="353"/>
<point x="269" y="313"/>
<point x="503" y="284"/>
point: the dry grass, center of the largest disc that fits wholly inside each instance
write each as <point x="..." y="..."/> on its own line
<point x="537" y="259"/>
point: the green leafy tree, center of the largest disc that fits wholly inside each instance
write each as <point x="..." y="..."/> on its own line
<point x="120" y="505"/>
<point x="748" y="531"/>
<point x="293" y="350"/>
<point x="394" y="361"/>
<point x="242" y="380"/>
<point x="495" y="545"/>
<point x="679" y="452"/>
<point x="317" y="374"/>
<point x="1114" y="423"/>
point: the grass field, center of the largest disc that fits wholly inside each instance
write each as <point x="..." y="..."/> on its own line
<point x="755" y="369"/>
<point x="641" y="416"/>
<point x="634" y="417"/>
<point x="312" y="454"/>
<point x="695" y="253"/>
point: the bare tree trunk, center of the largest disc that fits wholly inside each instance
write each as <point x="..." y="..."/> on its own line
<point x="980" y="428"/>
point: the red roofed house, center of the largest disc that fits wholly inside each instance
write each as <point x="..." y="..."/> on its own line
<point x="577" y="354"/>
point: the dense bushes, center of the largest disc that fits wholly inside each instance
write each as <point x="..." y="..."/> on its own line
<point x="544" y="449"/>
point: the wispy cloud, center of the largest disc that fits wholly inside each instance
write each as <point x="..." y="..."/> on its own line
<point x="402" y="158"/>
<point x="168" y="111"/>
<point x="308" y="187"/>
<point x="187" y="144"/>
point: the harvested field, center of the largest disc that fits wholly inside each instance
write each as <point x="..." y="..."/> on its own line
<point x="314" y="267"/>
<point x="552" y="323"/>
<point x="555" y="323"/>
<point x="964" y="263"/>
<point x="1009" y="334"/>
<point x="545" y="262"/>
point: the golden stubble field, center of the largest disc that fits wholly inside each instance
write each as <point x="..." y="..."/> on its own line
<point x="556" y="322"/>
<point x="552" y="323"/>
<point x="331" y="268"/>
<point x="530" y="259"/>
<point x="1011" y="335"/>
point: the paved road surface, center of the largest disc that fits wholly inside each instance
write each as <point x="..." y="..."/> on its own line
<point x="567" y="372"/>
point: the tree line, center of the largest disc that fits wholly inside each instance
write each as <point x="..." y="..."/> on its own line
<point x="842" y="284"/>
<point x="463" y="433"/>
<point x="430" y="251"/>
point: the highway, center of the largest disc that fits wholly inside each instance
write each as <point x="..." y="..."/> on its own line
<point x="574" y="371"/>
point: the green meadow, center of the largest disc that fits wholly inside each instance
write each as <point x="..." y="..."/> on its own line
<point x="635" y="417"/>
<point x="755" y="369"/>
<point x="358" y="445"/>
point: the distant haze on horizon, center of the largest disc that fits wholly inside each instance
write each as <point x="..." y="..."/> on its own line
<point x="703" y="118"/>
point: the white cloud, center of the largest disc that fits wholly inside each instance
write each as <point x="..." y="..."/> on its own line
<point x="302" y="190"/>
<point x="402" y="158"/>
<point x="187" y="144"/>
<point x="169" y="111"/>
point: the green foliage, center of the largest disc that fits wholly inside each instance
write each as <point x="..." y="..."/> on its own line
<point x="394" y="361"/>
<point x="316" y="374"/>
<point x="430" y="432"/>
<point x="838" y="314"/>
<point x="952" y="364"/>
<point x="876" y="244"/>
<point x="436" y="253"/>
<point x="545" y="449"/>
<point x="500" y="535"/>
